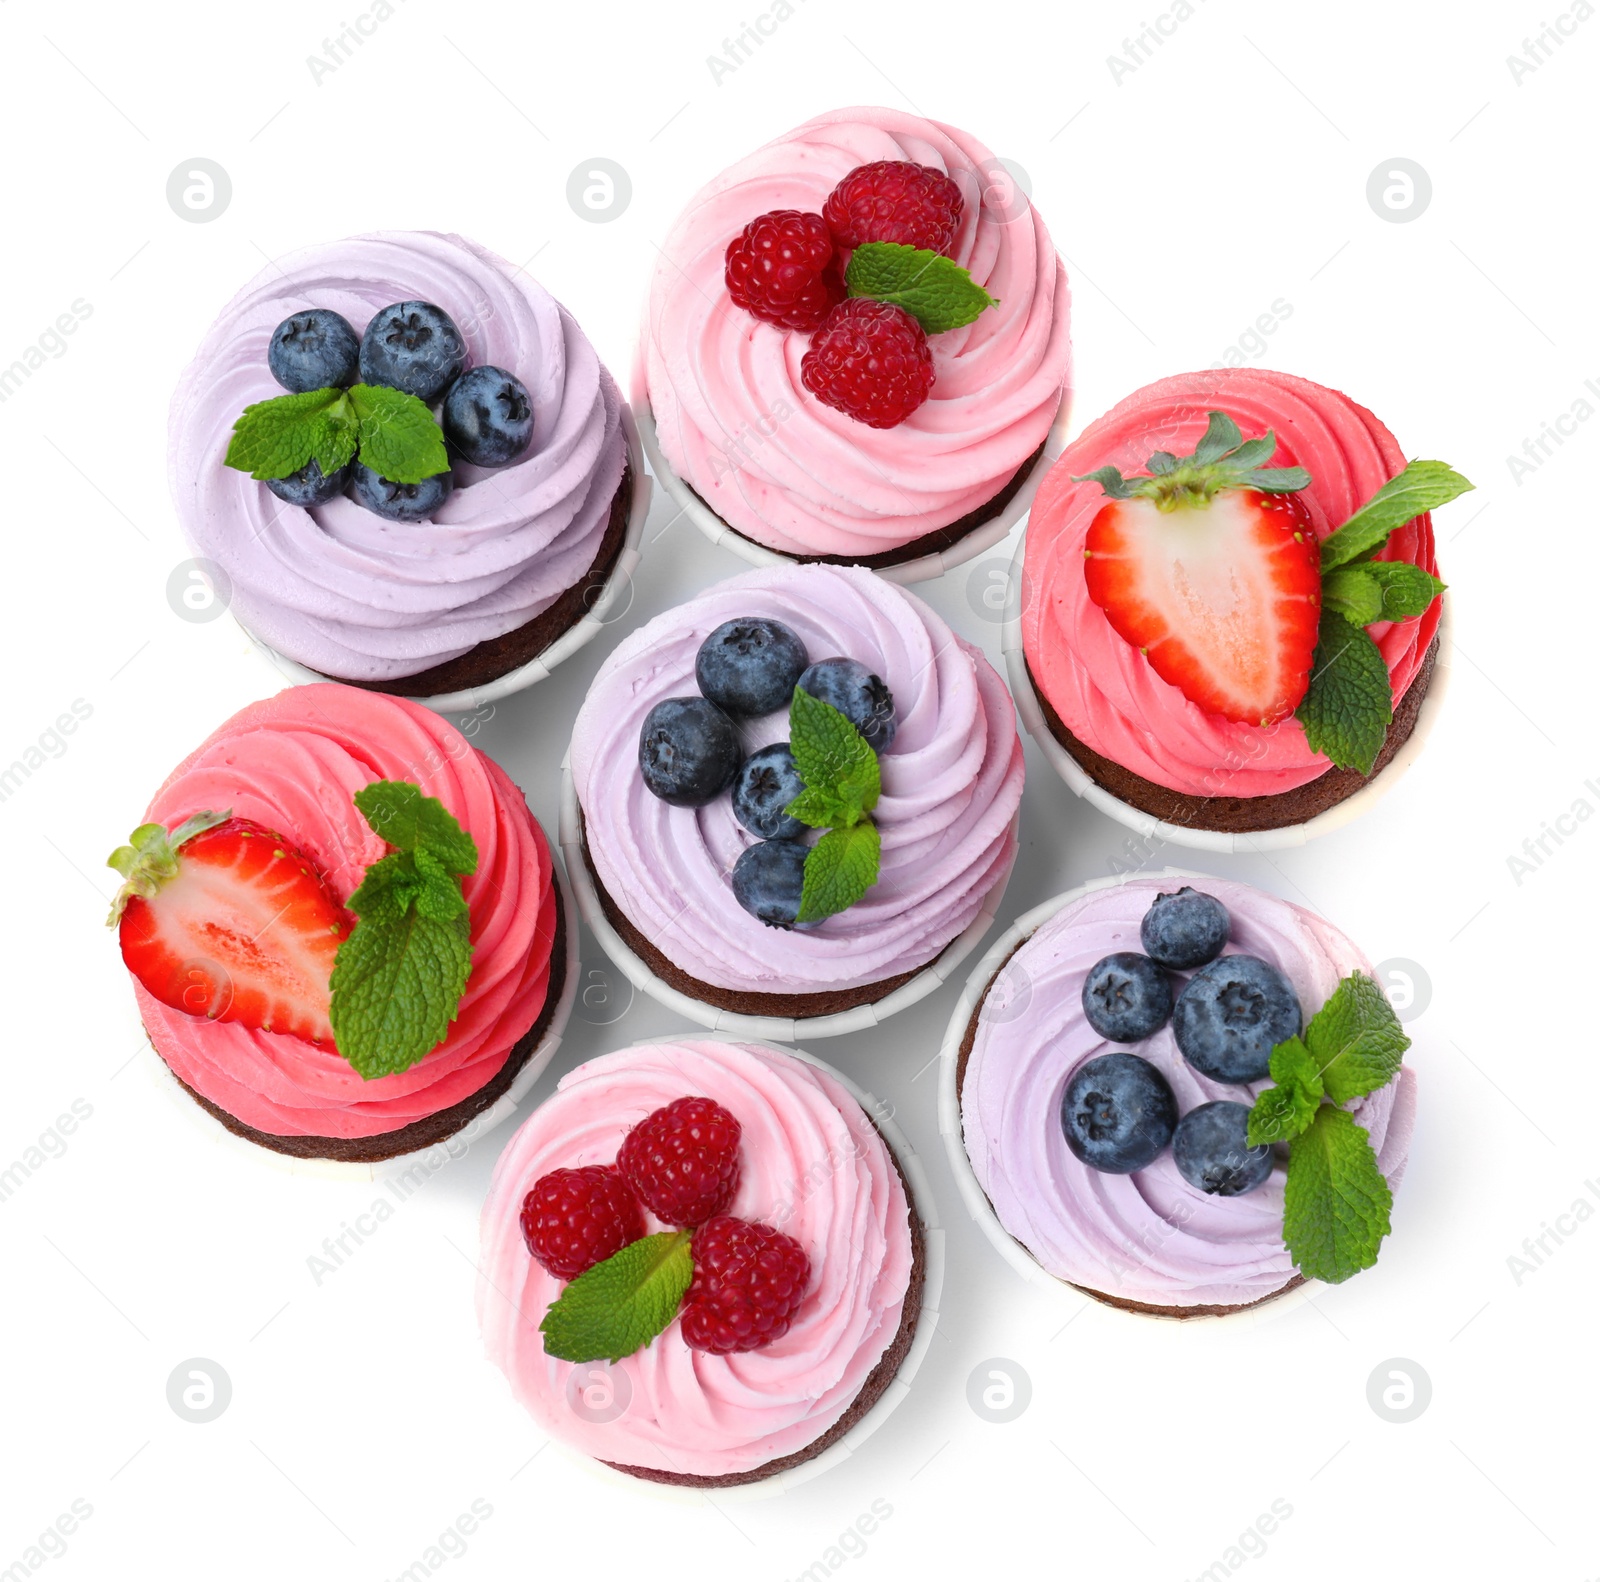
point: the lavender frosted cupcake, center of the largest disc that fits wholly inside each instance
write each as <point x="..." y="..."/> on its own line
<point x="455" y="582"/>
<point x="1180" y="1094"/>
<point x="697" y="888"/>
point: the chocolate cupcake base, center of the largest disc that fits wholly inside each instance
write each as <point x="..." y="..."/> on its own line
<point x="879" y="1380"/>
<point x="1106" y="1298"/>
<point x="431" y="1129"/>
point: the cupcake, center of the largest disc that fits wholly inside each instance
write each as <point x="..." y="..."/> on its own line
<point x="479" y="491"/>
<point x="792" y="796"/>
<point x="739" y="1198"/>
<point x="344" y="927"/>
<point x="1179" y="1094"/>
<point x="1230" y="606"/>
<point x="901" y="426"/>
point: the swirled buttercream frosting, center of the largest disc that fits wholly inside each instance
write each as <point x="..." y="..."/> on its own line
<point x="732" y="416"/>
<point x="1104" y="691"/>
<point x="294" y="763"/>
<point x="340" y="589"/>
<point x="1147" y="1237"/>
<point x="811" y="1163"/>
<point x="952" y="781"/>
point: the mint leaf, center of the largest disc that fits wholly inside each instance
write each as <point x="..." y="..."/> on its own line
<point x="1347" y="706"/>
<point x="818" y="808"/>
<point x="1335" y="1202"/>
<point x="401" y="815"/>
<point x="1406" y="591"/>
<point x="622" y="1303"/>
<point x="399" y="976"/>
<point x="1355" y="1040"/>
<point x="834" y="760"/>
<point x="936" y="291"/>
<point x="1284" y="1111"/>
<point x="1423" y="486"/>
<point x="840" y="869"/>
<point x="399" y="439"/>
<point x="1354" y="593"/>
<point x="276" y="438"/>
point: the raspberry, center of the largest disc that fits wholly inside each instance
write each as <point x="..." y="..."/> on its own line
<point x="749" y="1281"/>
<point x="895" y="201"/>
<point x="781" y="268"/>
<point x="871" y="361"/>
<point x="683" y="1161"/>
<point x="574" y="1219"/>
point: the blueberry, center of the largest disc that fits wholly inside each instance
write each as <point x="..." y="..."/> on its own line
<point x="1118" y="1113"/>
<point x="1212" y="1153"/>
<point x="1231" y="1013"/>
<point x="314" y="350"/>
<point x="767" y="881"/>
<point x="1126" y="997"/>
<point x="688" y="751"/>
<point x="415" y="347"/>
<point x="398" y="502"/>
<point x="857" y="694"/>
<point x="1186" y="929"/>
<point x="308" y="486"/>
<point x="750" y="666"/>
<point x="488" y="416"/>
<point x="767" y="782"/>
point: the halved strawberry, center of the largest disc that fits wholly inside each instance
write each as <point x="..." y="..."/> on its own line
<point x="225" y="919"/>
<point x="1210" y="567"/>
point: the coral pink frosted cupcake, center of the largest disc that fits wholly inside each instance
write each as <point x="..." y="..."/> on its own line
<point x="1179" y="1094"/>
<point x="1231" y="608"/>
<point x="886" y="429"/>
<point x="510" y="490"/>
<point x="688" y="763"/>
<point x="344" y="927"/>
<point x="702" y="1264"/>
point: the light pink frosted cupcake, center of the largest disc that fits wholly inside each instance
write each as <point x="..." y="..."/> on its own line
<point x="742" y="426"/>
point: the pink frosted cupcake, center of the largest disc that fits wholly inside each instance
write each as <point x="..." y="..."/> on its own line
<point x="743" y="1371"/>
<point x="768" y="424"/>
<point x="697" y="888"/>
<point x="457" y="581"/>
<point x="344" y="927"/>
<point x="1204" y="647"/>
<point x="1122" y="1156"/>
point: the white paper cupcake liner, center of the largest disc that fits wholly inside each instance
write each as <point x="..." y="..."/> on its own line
<point x="971" y="1189"/>
<point x="429" y="1158"/>
<point x="926" y="1209"/>
<point x="923" y="569"/>
<point x="734" y="1024"/>
<point x="565" y="646"/>
<point x="1286" y="836"/>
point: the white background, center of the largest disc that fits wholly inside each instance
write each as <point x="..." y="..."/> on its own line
<point x="1222" y="174"/>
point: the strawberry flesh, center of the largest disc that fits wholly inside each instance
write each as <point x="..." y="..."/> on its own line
<point x="1222" y="596"/>
<point x="245" y="932"/>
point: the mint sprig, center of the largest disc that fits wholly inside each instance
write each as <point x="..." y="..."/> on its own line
<point x="399" y="976"/>
<point x="936" y="291"/>
<point x="842" y="785"/>
<point x="1348" y="706"/>
<point x="622" y="1303"/>
<point x="1336" y="1201"/>
<point x="392" y="432"/>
